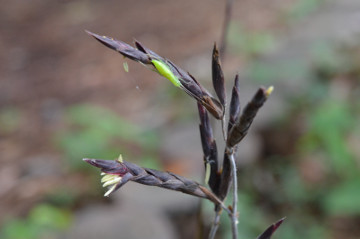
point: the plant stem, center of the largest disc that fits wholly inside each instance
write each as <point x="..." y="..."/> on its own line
<point x="223" y="128"/>
<point x="234" y="220"/>
<point x="212" y="197"/>
<point x="215" y="225"/>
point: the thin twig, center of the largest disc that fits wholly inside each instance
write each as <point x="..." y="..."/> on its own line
<point x="215" y="225"/>
<point x="225" y="28"/>
<point x="234" y="219"/>
<point x="223" y="128"/>
<point x="212" y="197"/>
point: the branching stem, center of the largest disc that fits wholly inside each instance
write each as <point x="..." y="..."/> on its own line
<point x="215" y="225"/>
<point x="234" y="214"/>
<point x="223" y="128"/>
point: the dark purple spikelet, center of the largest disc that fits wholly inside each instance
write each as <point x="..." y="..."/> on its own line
<point x="242" y="125"/>
<point x="270" y="230"/>
<point x="209" y="148"/>
<point x="235" y="106"/>
<point x="123" y="48"/>
<point x="146" y="56"/>
<point x="225" y="178"/>
<point x="117" y="173"/>
<point x="218" y="76"/>
<point x="109" y="166"/>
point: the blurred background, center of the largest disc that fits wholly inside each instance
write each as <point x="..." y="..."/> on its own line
<point x="64" y="96"/>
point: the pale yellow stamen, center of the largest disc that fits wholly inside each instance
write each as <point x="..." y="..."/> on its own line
<point x="113" y="181"/>
<point x="120" y="159"/>
<point x="108" y="180"/>
<point x="269" y="90"/>
<point x="110" y="191"/>
<point x="107" y="177"/>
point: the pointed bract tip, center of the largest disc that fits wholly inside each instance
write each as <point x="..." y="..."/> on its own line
<point x="269" y="90"/>
<point x="120" y="159"/>
<point x="92" y="34"/>
<point x="271" y="229"/>
<point x="88" y="32"/>
<point x="278" y="223"/>
<point x="90" y="161"/>
<point x="215" y="47"/>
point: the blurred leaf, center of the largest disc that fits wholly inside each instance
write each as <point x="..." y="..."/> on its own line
<point x="294" y="187"/>
<point x="47" y="216"/>
<point x="329" y="124"/>
<point x="62" y="197"/>
<point x="304" y="7"/>
<point x="150" y="162"/>
<point x="248" y="42"/>
<point x="343" y="200"/>
<point x="42" y="220"/>
<point x="328" y="58"/>
<point x="18" y="229"/>
<point x="103" y="120"/>
<point x="302" y="226"/>
<point x="10" y="119"/>
<point x="99" y="133"/>
<point x="266" y="72"/>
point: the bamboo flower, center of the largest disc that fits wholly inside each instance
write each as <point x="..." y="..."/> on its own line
<point x="242" y="125"/>
<point x="235" y="106"/>
<point x="210" y="150"/>
<point x="177" y="76"/>
<point x="117" y="173"/>
<point x="218" y="76"/>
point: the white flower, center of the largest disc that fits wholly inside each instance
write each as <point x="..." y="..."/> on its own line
<point x="110" y="181"/>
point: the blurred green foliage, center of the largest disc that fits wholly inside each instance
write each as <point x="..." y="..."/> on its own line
<point x="96" y="132"/>
<point x="63" y="197"/>
<point x="43" y="221"/>
<point x="10" y="119"/>
<point x="312" y="174"/>
<point x="249" y="43"/>
<point x="329" y="124"/>
<point x="314" y="178"/>
<point x="302" y="8"/>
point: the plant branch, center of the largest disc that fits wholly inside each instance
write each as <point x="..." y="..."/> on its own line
<point x="119" y="172"/>
<point x="179" y="77"/>
<point x="215" y="225"/>
<point x="234" y="214"/>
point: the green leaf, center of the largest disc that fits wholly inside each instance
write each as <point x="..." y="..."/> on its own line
<point x="48" y="216"/>
<point x="18" y="229"/>
<point x="344" y="199"/>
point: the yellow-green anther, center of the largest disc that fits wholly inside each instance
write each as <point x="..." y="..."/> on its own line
<point x="269" y="90"/>
<point x="107" y="177"/>
<point x="120" y="159"/>
<point x="126" y="66"/>
<point x="110" y="191"/>
<point x="112" y="181"/>
<point x="165" y="71"/>
<point x="207" y="172"/>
